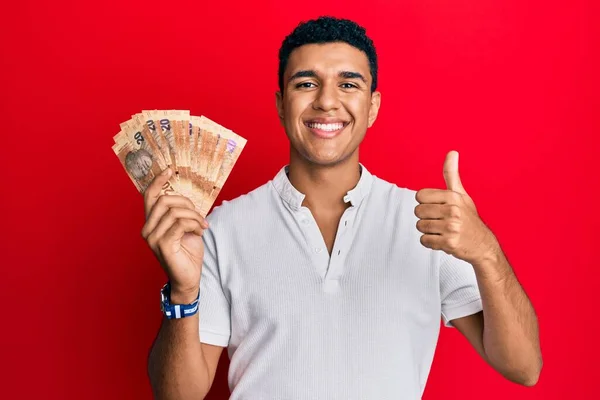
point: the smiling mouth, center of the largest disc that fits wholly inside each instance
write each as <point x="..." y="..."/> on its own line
<point x="325" y="130"/>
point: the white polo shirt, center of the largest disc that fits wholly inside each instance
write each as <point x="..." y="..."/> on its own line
<point x="362" y="323"/>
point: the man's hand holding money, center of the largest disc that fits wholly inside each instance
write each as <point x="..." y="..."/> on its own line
<point x="179" y="163"/>
<point x="173" y="230"/>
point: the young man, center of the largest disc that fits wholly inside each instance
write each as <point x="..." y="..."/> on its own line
<point x="328" y="282"/>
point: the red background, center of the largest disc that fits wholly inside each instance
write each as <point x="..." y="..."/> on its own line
<point x="513" y="86"/>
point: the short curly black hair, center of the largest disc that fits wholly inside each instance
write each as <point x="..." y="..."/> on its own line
<point x="328" y="29"/>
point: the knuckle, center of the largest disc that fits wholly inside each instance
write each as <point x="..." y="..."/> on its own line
<point x="178" y="224"/>
<point x="451" y="227"/>
<point x="161" y="243"/>
<point x="454" y="211"/>
<point x="152" y="240"/>
<point x="452" y="243"/>
<point x="170" y="214"/>
<point x="456" y="197"/>
<point x="162" y="199"/>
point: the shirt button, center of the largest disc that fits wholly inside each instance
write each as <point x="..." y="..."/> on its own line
<point x="318" y="249"/>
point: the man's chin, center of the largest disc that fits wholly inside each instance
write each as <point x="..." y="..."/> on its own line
<point x="326" y="160"/>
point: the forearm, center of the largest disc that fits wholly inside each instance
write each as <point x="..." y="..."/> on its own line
<point x="176" y="366"/>
<point x="510" y="334"/>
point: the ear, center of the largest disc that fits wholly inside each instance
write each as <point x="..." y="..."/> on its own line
<point x="279" y="104"/>
<point x="374" y="108"/>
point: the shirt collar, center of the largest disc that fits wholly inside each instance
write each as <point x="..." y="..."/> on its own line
<point x="294" y="198"/>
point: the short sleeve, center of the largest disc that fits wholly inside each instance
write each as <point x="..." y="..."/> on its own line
<point x="213" y="307"/>
<point x="459" y="291"/>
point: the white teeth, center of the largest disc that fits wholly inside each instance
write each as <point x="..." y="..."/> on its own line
<point x="326" y="127"/>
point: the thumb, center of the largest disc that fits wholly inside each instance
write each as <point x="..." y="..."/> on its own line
<point x="451" y="175"/>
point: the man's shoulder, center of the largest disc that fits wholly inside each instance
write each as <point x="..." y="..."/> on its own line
<point x="246" y="205"/>
<point x="391" y="210"/>
<point x="392" y="194"/>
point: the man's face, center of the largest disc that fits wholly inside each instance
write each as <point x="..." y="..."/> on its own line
<point x="327" y="105"/>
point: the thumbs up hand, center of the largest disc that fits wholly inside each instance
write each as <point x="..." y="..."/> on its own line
<point x="449" y="219"/>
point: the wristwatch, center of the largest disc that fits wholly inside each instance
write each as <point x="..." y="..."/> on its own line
<point x="172" y="311"/>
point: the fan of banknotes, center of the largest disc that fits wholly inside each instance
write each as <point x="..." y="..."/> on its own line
<point x="200" y="152"/>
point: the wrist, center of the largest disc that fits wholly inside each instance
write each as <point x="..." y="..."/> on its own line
<point x="178" y="304"/>
<point x="183" y="296"/>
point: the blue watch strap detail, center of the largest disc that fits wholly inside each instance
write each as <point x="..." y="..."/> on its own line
<point x="175" y="311"/>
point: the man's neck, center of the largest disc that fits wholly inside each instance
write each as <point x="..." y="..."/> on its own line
<point x="324" y="187"/>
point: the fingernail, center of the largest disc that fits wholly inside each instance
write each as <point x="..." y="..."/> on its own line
<point x="166" y="171"/>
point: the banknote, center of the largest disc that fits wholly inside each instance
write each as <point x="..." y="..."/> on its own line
<point x="135" y="132"/>
<point x="140" y="164"/>
<point x="207" y="144"/>
<point x="169" y="131"/>
<point x="131" y="132"/>
<point x="166" y="127"/>
<point x="234" y="144"/>
<point x="200" y="141"/>
<point x="180" y="130"/>
<point x="137" y="126"/>
<point x="201" y="153"/>
<point x="152" y="118"/>
<point x="217" y="157"/>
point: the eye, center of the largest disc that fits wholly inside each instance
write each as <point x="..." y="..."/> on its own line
<point x="348" y="85"/>
<point x="305" y="85"/>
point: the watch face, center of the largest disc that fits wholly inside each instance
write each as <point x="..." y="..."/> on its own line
<point x="164" y="301"/>
<point x="163" y="297"/>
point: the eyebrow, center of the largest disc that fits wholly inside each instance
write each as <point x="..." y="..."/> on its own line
<point x="309" y="73"/>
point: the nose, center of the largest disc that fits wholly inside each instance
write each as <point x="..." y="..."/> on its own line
<point x="327" y="98"/>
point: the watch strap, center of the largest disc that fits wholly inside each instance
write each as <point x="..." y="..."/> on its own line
<point x="176" y="311"/>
